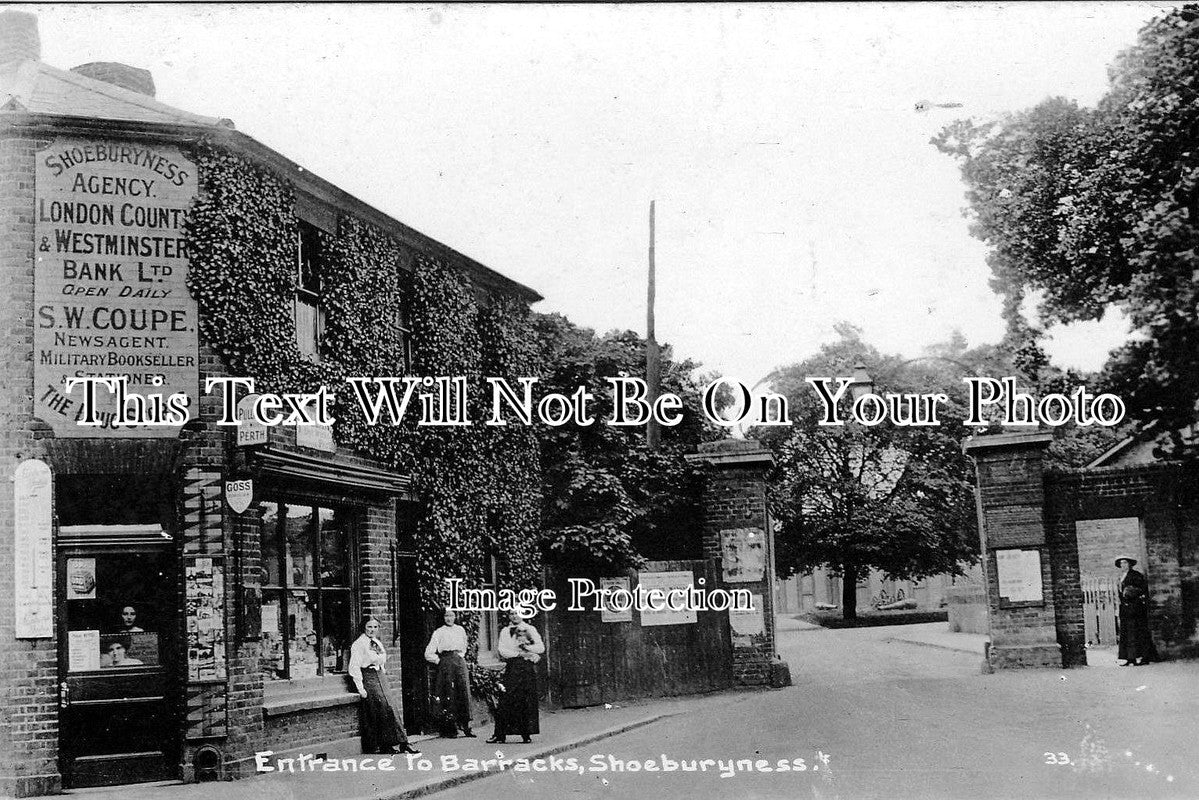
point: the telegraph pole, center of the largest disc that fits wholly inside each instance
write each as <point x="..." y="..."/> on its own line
<point x="653" y="365"/>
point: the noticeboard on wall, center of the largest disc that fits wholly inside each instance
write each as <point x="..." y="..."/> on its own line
<point x="1019" y="573"/>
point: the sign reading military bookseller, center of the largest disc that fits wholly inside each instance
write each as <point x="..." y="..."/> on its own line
<point x="110" y="291"/>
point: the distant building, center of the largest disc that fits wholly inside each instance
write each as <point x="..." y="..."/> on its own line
<point x="821" y="590"/>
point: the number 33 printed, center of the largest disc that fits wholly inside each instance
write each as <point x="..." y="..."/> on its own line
<point x="1057" y="759"/>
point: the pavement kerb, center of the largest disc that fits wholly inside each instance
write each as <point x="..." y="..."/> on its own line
<point x="937" y="645"/>
<point x="441" y="784"/>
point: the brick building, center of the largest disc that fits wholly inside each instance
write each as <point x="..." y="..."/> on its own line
<point x="152" y="599"/>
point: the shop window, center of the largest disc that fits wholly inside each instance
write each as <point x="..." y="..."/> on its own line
<point x="309" y="310"/>
<point x="117" y="577"/>
<point x="307" y="603"/>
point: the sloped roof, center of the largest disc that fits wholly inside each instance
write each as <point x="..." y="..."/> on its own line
<point x="32" y="87"/>
<point x="39" y="88"/>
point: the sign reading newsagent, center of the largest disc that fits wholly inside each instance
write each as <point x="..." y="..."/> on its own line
<point x="110" y="286"/>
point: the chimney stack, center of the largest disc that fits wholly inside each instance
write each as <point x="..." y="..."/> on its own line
<point x="123" y="75"/>
<point x="18" y="37"/>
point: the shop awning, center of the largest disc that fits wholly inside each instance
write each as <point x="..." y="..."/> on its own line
<point x="298" y="466"/>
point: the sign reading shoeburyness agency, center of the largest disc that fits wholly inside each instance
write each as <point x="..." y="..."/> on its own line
<point x="110" y="292"/>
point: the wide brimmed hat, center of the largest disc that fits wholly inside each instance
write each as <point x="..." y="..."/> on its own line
<point x="1132" y="562"/>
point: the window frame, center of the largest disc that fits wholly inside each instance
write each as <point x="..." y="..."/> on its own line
<point x="309" y="288"/>
<point x="285" y="589"/>
<point x="489" y="621"/>
<point x="403" y="323"/>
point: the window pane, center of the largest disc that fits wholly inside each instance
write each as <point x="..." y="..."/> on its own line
<point x="270" y="545"/>
<point x="299" y="546"/>
<point x="307" y="325"/>
<point x="338" y="631"/>
<point x="335" y="547"/>
<point x="273" y="645"/>
<point x="302" y="644"/>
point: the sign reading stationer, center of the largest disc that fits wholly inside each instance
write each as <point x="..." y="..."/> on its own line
<point x="110" y="281"/>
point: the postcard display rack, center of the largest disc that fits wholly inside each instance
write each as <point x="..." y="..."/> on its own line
<point x="204" y="591"/>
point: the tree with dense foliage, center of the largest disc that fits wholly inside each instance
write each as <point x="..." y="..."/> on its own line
<point x="610" y="502"/>
<point x="854" y="497"/>
<point x="1095" y="209"/>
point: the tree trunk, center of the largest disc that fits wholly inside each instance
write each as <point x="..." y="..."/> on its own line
<point x="849" y="591"/>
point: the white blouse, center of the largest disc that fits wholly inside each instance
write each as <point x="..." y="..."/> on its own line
<point x="362" y="655"/>
<point x="446" y="638"/>
<point x="510" y="647"/>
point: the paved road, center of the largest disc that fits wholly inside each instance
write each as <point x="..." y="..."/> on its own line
<point x="897" y="720"/>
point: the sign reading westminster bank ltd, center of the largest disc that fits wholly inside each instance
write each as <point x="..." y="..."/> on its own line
<point x="110" y="281"/>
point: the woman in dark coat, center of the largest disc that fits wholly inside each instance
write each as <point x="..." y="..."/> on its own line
<point x="381" y="730"/>
<point x="520" y="646"/>
<point x="1136" y="644"/>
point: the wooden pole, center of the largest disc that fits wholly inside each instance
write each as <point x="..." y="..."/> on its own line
<point x="653" y="366"/>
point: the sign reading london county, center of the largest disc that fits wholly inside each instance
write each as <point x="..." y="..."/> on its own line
<point x="110" y="292"/>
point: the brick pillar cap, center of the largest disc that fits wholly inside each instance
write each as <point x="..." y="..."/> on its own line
<point x="732" y="452"/>
<point x="1031" y="440"/>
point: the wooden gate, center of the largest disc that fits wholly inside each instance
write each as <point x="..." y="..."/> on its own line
<point x="593" y="662"/>
<point x="1100" y="609"/>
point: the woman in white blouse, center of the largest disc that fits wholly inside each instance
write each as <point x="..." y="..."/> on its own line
<point x="521" y="647"/>
<point x="446" y="649"/>
<point x="381" y="730"/>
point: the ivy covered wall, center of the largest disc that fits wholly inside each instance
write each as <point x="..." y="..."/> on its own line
<point x="480" y="485"/>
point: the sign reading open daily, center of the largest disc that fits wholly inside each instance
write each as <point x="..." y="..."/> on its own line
<point x="110" y="292"/>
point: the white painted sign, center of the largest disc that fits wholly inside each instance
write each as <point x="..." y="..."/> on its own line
<point x="318" y="437"/>
<point x="743" y="554"/>
<point x="110" y="281"/>
<point x="614" y="584"/>
<point x="250" y="432"/>
<point x="239" y="494"/>
<point x="666" y="581"/>
<point x="33" y="563"/>
<point x="1019" y="575"/>
<point x="83" y="650"/>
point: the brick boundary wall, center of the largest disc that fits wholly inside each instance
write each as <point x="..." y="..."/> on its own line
<point x="1165" y="497"/>
<point x="1021" y="505"/>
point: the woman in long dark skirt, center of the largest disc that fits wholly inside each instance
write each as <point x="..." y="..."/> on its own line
<point x="1136" y="642"/>
<point x="381" y="730"/>
<point x="521" y="647"/>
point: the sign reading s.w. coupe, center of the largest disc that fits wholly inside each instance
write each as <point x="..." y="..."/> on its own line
<point x="110" y="281"/>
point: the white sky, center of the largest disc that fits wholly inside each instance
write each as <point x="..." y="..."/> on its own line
<point x="793" y="176"/>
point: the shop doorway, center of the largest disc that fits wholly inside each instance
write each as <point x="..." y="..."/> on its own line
<point x="118" y="614"/>
<point x="411" y="628"/>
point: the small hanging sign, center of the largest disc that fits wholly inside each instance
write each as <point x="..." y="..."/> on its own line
<point x="239" y="494"/>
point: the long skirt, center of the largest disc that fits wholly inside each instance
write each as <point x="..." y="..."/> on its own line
<point x="380" y="728"/>
<point x="517" y="712"/>
<point x="1135" y="639"/>
<point x="452" y="689"/>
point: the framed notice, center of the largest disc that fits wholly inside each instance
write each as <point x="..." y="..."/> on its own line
<point x="747" y="623"/>
<point x="1019" y="575"/>
<point x="666" y="582"/>
<point x="612" y="585"/>
<point x="83" y="651"/>
<point x="743" y="554"/>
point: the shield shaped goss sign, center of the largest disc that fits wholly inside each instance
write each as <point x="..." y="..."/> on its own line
<point x="238" y="494"/>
